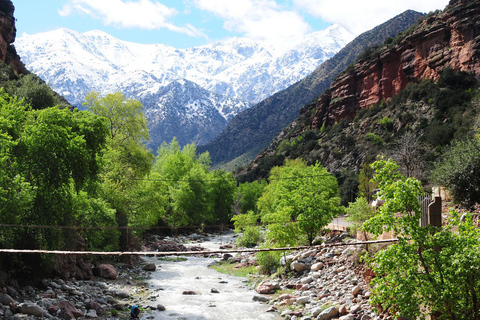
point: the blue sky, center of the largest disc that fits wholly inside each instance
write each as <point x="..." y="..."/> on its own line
<point x="188" y="23"/>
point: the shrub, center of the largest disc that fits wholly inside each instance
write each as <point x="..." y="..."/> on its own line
<point x="268" y="261"/>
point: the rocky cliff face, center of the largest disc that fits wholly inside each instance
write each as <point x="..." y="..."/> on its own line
<point x="450" y="39"/>
<point x="7" y="27"/>
<point x="8" y="33"/>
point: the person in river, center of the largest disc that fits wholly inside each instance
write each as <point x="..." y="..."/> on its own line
<point x="135" y="312"/>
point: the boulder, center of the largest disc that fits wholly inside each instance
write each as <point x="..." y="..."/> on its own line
<point x="150" y="267"/>
<point x="92" y="305"/>
<point x="298" y="266"/>
<point x="265" y="288"/>
<point x="316" y="266"/>
<point x="303" y="300"/>
<point x="106" y="271"/>
<point x="121" y="293"/>
<point x="260" y="299"/>
<point x="328" y="313"/>
<point x="32" y="309"/>
<point x="91" y="314"/>
<point x="68" y="311"/>
<point x="5" y="299"/>
<point x="189" y="293"/>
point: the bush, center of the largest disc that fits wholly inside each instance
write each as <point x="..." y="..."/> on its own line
<point x="268" y="261"/>
<point x="430" y="270"/>
<point x="251" y="237"/>
<point x="459" y="171"/>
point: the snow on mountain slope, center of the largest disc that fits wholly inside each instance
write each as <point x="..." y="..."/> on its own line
<point x="238" y="72"/>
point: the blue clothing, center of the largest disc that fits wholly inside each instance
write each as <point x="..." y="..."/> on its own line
<point x="134" y="312"/>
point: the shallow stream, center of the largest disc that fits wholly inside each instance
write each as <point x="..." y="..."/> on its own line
<point x="173" y="278"/>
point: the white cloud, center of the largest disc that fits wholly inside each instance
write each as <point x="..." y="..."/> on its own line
<point x="143" y="14"/>
<point x="360" y="16"/>
<point x="257" y="19"/>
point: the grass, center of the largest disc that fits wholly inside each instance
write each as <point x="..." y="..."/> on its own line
<point x="229" y="268"/>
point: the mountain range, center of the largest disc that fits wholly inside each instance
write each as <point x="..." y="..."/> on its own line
<point x="191" y="93"/>
<point x="252" y="130"/>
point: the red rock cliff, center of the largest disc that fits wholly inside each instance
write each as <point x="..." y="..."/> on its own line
<point x="449" y="39"/>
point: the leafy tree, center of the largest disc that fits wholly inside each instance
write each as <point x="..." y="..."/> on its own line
<point x="459" y="171"/>
<point x="36" y="92"/>
<point x="359" y="212"/>
<point x="246" y="196"/>
<point x="430" y="270"/>
<point x="299" y="201"/>
<point x="126" y="161"/>
<point x="46" y="157"/>
<point x="366" y="186"/>
<point x="195" y="195"/>
<point x="251" y="232"/>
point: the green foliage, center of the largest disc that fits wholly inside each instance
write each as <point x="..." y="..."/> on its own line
<point x="359" y="212"/>
<point x="375" y="139"/>
<point x="299" y="201"/>
<point x="195" y="195"/>
<point x="247" y="194"/>
<point x="268" y="261"/>
<point x="366" y="186"/>
<point x="48" y="157"/>
<point x="36" y="93"/>
<point x="251" y="232"/>
<point x="425" y="272"/>
<point x="459" y="171"/>
<point x="387" y="123"/>
<point x="126" y="163"/>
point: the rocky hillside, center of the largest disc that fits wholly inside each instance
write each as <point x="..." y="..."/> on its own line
<point x="408" y="99"/>
<point x="449" y="40"/>
<point x="252" y="130"/>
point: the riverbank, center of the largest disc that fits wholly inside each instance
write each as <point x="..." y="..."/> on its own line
<point x="322" y="283"/>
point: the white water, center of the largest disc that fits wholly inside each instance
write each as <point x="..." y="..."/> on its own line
<point x="234" y="300"/>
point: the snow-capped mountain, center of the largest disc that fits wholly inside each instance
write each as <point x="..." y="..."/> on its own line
<point x="176" y="85"/>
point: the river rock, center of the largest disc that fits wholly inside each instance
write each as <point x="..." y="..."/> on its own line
<point x="356" y="290"/>
<point x="92" y="305"/>
<point x="298" y="266"/>
<point x="161" y="307"/>
<point x="347" y="317"/>
<point x="5" y="299"/>
<point x="265" y="288"/>
<point x="31" y="309"/>
<point x="122" y="294"/>
<point x="189" y="293"/>
<point x="303" y="300"/>
<point x="68" y="310"/>
<point x="260" y="299"/>
<point x="213" y="290"/>
<point x="91" y="314"/>
<point x="328" y="313"/>
<point x="106" y="271"/>
<point x="316" y="266"/>
<point x="150" y="267"/>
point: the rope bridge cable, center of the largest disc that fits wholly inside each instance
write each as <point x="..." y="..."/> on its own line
<point x="187" y="253"/>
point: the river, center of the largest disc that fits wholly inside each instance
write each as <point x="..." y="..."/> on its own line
<point x="173" y="278"/>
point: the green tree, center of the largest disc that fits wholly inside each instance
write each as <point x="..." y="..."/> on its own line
<point x="247" y="195"/>
<point x="459" y="171"/>
<point x="196" y="195"/>
<point x="430" y="270"/>
<point x="126" y="162"/>
<point x="359" y="212"/>
<point x="366" y="186"/>
<point x="299" y="201"/>
<point x="36" y="92"/>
